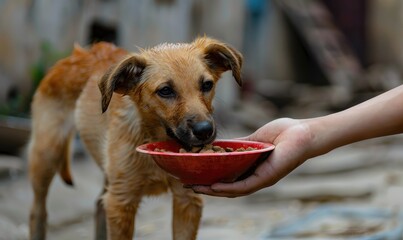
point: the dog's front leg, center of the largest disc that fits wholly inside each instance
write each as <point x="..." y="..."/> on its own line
<point x="120" y="216"/>
<point x="187" y="211"/>
<point x="100" y="216"/>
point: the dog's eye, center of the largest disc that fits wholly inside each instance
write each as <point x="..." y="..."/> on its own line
<point x="166" y="92"/>
<point x="207" y="86"/>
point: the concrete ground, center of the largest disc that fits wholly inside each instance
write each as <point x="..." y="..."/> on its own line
<point x="366" y="175"/>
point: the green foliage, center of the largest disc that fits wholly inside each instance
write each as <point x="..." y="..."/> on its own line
<point x="13" y="107"/>
<point x="19" y="105"/>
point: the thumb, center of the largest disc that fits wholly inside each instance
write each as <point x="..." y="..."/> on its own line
<point x="251" y="137"/>
<point x="243" y="138"/>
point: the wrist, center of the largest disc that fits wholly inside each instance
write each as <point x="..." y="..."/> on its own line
<point x="321" y="136"/>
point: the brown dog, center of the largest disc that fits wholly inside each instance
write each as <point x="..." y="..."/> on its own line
<point x="162" y="93"/>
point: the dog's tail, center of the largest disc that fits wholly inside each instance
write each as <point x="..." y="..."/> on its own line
<point x="53" y="109"/>
<point x="64" y="169"/>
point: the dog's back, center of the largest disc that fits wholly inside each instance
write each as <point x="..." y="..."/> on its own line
<point x="66" y="79"/>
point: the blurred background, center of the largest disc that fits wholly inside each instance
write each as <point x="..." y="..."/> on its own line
<point x="302" y="58"/>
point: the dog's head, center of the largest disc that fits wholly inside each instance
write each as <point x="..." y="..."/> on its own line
<point x="173" y="85"/>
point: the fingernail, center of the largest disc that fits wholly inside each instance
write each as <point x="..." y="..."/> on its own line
<point x="195" y="190"/>
<point x="216" y="190"/>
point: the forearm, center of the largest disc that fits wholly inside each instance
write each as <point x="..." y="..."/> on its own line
<point x="379" y="116"/>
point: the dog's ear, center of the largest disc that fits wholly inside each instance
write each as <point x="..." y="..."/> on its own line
<point x="122" y="78"/>
<point x="220" y="58"/>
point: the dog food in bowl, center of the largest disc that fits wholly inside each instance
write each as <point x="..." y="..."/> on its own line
<point x="209" y="148"/>
<point x="206" y="168"/>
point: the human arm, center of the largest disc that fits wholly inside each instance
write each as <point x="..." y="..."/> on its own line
<point x="299" y="140"/>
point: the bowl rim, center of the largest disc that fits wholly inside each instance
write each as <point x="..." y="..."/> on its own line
<point x="266" y="147"/>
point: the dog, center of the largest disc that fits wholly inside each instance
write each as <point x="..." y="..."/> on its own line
<point x="116" y="101"/>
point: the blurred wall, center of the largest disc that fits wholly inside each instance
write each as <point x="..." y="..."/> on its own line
<point x="35" y="33"/>
<point x="385" y="32"/>
<point x="18" y="46"/>
<point x="27" y="26"/>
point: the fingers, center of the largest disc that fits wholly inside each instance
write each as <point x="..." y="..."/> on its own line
<point x="236" y="189"/>
<point x="265" y="175"/>
<point x="207" y="190"/>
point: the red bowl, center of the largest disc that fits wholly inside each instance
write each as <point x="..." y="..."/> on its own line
<point x="208" y="168"/>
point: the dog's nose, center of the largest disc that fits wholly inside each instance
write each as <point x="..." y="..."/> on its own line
<point x="203" y="130"/>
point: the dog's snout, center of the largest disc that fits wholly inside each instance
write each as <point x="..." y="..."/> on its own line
<point x="203" y="130"/>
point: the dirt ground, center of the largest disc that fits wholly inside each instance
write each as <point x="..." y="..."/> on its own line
<point x="354" y="191"/>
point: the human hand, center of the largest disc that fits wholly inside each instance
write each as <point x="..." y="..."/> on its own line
<point x="293" y="141"/>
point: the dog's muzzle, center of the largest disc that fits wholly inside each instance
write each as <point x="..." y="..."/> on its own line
<point x="192" y="133"/>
